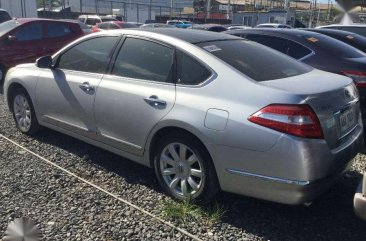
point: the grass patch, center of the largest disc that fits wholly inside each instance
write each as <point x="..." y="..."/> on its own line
<point x="186" y="211"/>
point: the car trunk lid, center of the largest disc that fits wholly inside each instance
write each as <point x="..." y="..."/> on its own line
<point x="334" y="99"/>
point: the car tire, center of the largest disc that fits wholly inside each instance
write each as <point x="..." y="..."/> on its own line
<point x="184" y="168"/>
<point x="23" y="112"/>
<point x="2" y="73"/>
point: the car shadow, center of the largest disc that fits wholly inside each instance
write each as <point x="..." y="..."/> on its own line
<point x="330" y="217"/>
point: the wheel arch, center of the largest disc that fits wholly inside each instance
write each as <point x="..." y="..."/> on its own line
<point x="10" y="92"/>
<point x="167" y="129"/>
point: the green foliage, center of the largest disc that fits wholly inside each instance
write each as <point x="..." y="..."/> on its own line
<point x="186" y="211"/>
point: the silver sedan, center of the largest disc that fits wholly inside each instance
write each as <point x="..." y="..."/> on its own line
<point x="207" y="111"/>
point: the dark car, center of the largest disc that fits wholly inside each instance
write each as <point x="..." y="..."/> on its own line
<point x="25" y="40"/>
<point x="318" y="50"/>
<point x="354" y="28"/>
<point x="4" y="16"/>
<point x="353" y="39"/>
<point x="210" y="27"/>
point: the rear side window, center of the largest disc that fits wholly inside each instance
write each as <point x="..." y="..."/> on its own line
<point x="4" y="16"/>
<point x="55" y="30"/>
<point x="190" y="71"/>
<point x="89" y="56"/>
<point x="103" y="25"/>
<point x="143" y="59"/>
<point x="278" y="44"/>
<point x="92" y="21"/>
<point x="297" y="51"/>
<point x="113" y="26"/>
<point x="29" y="32"/>
<point x="254" y="60"/>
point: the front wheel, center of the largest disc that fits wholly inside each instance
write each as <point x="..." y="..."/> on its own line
<point x="23" y="112"/>
<point x="185" y="169"/>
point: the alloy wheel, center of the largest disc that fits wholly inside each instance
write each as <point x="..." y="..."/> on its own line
<point x="181" y="170"/>
<point x="22" y="112"/>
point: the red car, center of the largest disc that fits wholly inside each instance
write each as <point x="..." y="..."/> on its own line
<point x="112" y="25"/>
<point x="25" y="40"/>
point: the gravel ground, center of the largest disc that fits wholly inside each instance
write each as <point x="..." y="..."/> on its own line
<point x="30" y="187"/>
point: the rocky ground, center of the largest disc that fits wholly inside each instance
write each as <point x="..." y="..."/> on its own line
<point x="69" y="209"/>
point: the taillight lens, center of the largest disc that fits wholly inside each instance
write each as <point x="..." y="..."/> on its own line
<point x="358" y="77"/>
<point x="297" y="120"/>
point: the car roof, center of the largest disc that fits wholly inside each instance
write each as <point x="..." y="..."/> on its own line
<point x="342" y="25"/>
<point x="290" y="33"/>
<point x="27" y="20"/>
<point x="336" y="32"/>
<point x="193" y="36"/>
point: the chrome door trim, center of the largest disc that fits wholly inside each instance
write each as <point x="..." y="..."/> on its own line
<point x="120" y="144"/>
<point x="267" y="178"/>
<point x="68" y="126"/>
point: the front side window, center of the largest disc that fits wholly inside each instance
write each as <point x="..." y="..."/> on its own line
<point x="89" y="56"/>
<point x="143" y="59"/>
<point x="29" y="32"/>
<point x="55" y="30"/>
<point x="190" y="71"/>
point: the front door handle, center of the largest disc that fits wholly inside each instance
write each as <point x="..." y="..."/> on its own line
<point x="86" y="87"/>
<point x="155" y="102"/>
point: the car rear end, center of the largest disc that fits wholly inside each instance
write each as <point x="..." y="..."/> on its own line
<point x="292" y="131"/>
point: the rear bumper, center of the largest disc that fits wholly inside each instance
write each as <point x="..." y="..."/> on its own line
<point x="294" y="171"/>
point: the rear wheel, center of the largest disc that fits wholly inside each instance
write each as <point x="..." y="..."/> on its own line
<point x="185" y="169"/>
<point x="23" y="112"/>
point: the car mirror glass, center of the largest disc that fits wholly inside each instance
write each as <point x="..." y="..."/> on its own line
<point x="44" y="62"/>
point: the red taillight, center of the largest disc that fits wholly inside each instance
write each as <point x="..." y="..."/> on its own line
<point x="358" y="77"/>
<point x="297" y="120"/>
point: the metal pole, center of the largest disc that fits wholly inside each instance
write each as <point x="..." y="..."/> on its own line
<point x="228" y="9"/>
<point x="317" y="21"/>
<point x="171" y="9"/>
<point x="208" y="9"/>
<point x="149" y="9"/>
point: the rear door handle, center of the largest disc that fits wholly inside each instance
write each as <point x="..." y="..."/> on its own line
<point x="86" y="87"/>
<point x="155" y="102"/>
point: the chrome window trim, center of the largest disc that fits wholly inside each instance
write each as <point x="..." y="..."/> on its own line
<point x="268" y="178"/>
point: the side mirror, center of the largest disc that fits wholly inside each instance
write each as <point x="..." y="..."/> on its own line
<point x="12" y="38"/>
<point x="44" y="62"/>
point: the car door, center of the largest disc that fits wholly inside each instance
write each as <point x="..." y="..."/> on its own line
<point x="136" y="95"/>
<point x="24" y="44"/>
<point x="65" y="93"/>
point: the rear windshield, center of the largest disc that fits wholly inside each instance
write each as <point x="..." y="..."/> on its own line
<point x="254" y="60"/>
<point x="8" y="26"/>
<point x="332" y="46"/>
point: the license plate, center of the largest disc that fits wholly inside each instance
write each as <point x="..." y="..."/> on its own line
<point x="347" y="120"/>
